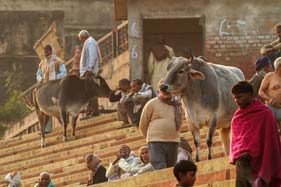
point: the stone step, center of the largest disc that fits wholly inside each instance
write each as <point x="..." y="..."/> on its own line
<point x="66" y="160"/>
<point x="218" y="169"/>
<point x="143" y="144"/>
<point x="225" y="183"/>
<point x="54" y="144"/>
<point x="96" y="143"/>
<point x="52" y="141"/>
<point x="34" y="138"/>
<point x="54" y="157"/>
<point x="73" y="162"/>
<point x="76" y="167"/>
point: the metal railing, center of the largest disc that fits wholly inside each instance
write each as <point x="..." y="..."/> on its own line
<point x="122" y="38"/>
<point x="114" y="43"/>
<point x="111" y="46"/>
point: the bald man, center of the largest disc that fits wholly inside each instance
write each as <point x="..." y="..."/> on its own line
<point x="90" y="67"/>
<point x="90" y="56"/>
<point x="45" y="180"/>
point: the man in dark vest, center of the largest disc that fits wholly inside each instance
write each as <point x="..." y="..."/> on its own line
<point x="97" y="174"/>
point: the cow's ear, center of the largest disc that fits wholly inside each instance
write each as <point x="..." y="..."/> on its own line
<point x="196" y="74"/>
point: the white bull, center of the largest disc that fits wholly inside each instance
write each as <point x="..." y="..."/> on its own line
<point x="206" y="93"/>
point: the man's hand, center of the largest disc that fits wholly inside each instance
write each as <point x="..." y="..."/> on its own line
<point x="118" y="157"/>
<point x="88" y="75"/>
<point x="131" y="93"/>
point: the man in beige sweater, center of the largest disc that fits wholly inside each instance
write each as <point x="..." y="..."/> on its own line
<point x="160" y="124"/>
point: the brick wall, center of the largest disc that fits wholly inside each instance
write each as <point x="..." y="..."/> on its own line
<point x="239" y="51"/>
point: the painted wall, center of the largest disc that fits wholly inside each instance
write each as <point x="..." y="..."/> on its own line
<point x="227" y="24"/>
<point x="19" y="30"/>
<point x="96" y="16"/>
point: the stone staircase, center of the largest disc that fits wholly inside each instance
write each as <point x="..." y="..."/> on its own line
<point x="102" y="135"/>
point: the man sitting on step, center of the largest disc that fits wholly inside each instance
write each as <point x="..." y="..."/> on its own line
<point x="45" y="180"/>
<point x="124" y="162"/>
<point x="116" y="94"/>
<point x="97" y="175"/>
<point x="134" y="101"/>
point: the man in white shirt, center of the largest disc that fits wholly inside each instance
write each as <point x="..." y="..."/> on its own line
<point x="90" y="66"/>
<point x="134" y="101"/>
<point x="90" y="56"/>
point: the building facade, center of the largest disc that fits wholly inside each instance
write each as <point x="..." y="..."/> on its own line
<point x="227" y="32"/>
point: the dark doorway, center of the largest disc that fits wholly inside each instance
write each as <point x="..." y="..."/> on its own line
<point x="178" y="33"/>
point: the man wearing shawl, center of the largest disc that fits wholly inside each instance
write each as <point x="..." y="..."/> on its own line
<point x="255" y="147"/>
<point x="45" y="180"/>
<point x="158" y="60"/>
<point x="13" y="179"/>
<point x="160" y="124"/>
<point x="90" y="66"/>
<point x="50" y="68"/>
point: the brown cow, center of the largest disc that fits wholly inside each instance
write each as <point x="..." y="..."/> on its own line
<point x="63" y="97"/>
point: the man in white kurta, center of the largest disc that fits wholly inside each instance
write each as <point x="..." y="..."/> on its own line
<point x="90" y="56"/>
<point x="158" y="61"/>
<point x="90" y="66"/>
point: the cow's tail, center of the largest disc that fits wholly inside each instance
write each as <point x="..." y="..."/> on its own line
<point x="29" y="100"/>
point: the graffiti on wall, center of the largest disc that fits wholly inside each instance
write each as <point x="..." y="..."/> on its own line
<point x="241" y="26"/>
<point x="135" y="34"/>
<point x="135" y="53"/>
<point x="134" y="30"/>
<point x="232" y="26"/>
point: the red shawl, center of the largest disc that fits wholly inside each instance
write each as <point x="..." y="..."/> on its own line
<point x="254" y="131"/>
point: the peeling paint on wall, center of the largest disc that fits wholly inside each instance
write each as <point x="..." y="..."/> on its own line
<point x="233" y="26"/>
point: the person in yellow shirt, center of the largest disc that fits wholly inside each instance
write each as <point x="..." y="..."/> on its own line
<point x="160" y="124"/>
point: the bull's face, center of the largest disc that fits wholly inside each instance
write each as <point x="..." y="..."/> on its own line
<point x="99" y="87"/>
<point x="180" y="73"/>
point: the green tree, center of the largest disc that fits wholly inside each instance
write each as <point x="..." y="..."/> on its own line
<point x="14" y="108"/>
